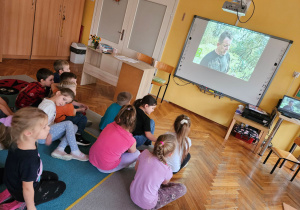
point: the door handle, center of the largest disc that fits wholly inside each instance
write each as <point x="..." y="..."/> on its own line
<point x="62" y="25"/>
<point x="122" y="34"/>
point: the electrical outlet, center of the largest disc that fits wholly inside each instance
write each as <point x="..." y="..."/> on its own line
<point x="296" y="74"/>
<point x="235" y="8"/>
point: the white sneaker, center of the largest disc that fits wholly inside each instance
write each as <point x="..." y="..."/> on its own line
<point x="132" y="165"/>
<point x="61" y="155"/>
<point x="80" y="157"/>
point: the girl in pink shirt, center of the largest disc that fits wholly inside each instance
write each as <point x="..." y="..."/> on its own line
<point x="115" y="147"/>
<point x="150" y="188"/>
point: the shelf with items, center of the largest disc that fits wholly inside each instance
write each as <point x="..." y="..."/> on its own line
<point x="126" y="76"/>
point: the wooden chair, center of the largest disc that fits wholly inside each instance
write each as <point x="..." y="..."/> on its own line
<point x="285" y="156"/>
<point x="145" y="58"/>
<point x="159" y="81"/>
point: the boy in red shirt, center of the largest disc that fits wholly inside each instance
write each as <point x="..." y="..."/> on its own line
<point x="34" y="92"/>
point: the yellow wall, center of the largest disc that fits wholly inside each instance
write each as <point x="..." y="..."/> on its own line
<point x="87" y="20"/>
<point x="269" y="18"/>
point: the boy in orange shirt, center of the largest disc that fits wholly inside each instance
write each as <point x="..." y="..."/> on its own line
<point x="69" y="112"/>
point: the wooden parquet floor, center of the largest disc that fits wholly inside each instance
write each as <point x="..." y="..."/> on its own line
<point x="220" y="175"/>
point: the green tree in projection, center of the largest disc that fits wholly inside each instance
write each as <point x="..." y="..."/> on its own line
<point x="245" y="50"/>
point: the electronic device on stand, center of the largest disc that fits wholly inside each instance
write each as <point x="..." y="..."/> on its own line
<point x="258" y="115"/>
<point x="289" y="107"/>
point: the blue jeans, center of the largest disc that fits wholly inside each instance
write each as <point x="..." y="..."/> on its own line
<point x="141" y="139"/>
<point x="80" y="120"/>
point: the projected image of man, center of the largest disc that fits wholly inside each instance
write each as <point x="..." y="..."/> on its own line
<point x="219" y="59"/>
<point x="289" y="107"/>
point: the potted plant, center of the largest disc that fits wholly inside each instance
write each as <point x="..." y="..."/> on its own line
<point x="95" y="40"/>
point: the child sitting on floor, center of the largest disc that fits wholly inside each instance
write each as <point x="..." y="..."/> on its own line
<point x="4" y="109"/>
<point x="34" y="92"/>
<point x="5" y="124"/>
<point x="66" y="76"/>
<point x="181" y="155"/>
<point x="69" y="76"/>
<point x="24" y="176"/>
<point x="150" y="188"/>
<point x="115" y="147"/>
<point x="123" y="98"/>
<point x="60" y="66"/>
<point x="68" y="112"/>
<point x="145" y="126"/>
<point x="63" y="129"/>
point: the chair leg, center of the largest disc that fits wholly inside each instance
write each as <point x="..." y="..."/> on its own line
<point x="282" y="163"/>
<point x="275" y="166"/>
<point x="164" y="92"/>
<point x="293" y="148"/>
<point x="158" y="93"/>
<point x="295" y="174"/>
<point x="268" y="156"/>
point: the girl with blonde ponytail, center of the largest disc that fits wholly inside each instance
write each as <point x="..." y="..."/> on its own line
<point x="26" y="181"/>
<point x="150" y="188"/>
<point x="181" y="155"/>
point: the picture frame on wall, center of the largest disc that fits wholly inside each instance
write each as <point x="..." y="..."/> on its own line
<point x="297" y="94"/>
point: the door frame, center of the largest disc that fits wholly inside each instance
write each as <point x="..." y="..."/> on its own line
<point x="158" y="48"/>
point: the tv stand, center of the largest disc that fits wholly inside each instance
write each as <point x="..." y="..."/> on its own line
<point x="276" y="127"/>
<point x="263" y="129"/>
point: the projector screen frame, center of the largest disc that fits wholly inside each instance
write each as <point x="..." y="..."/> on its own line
<point x="188" y="38"/>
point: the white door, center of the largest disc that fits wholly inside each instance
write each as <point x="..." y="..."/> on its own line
<point x="134" y="26"/>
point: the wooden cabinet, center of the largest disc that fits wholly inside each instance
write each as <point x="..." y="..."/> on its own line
<point x="41" y="29"/>
<point x="17" y="28"/>
<point x="46" y="28"/>
<point x="57" y="25"/>
<point x="72" y="10"/>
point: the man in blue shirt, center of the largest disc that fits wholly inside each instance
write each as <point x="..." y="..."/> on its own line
<point x="219" y="59"/>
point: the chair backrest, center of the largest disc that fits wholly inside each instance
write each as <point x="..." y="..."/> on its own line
<point x="163" y="67"/>
<point x="297" y="141"/>
<point x="145" y="58"/>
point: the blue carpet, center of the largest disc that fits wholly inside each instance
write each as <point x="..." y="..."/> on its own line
<point x="79" y="176"/>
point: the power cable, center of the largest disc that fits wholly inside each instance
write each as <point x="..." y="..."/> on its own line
<point x="237" y="12"/>
<point x="181" y="81"/>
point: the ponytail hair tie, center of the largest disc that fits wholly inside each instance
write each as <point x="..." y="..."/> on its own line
<point x="162" y="143"/>
<point x="6" y="121"/>
<point x="128" y="109"/>
<point x="183" y="121"/>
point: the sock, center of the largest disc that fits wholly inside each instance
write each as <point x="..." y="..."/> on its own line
<point x="60" y="149"/>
